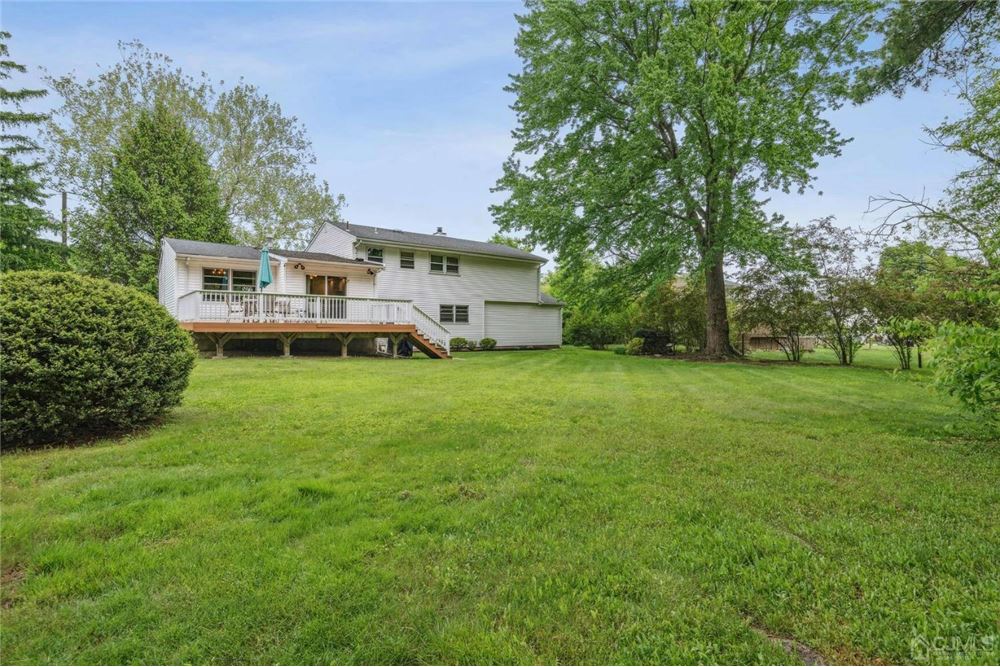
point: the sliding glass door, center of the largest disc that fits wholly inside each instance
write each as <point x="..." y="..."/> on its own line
<point x="329" y="309"/>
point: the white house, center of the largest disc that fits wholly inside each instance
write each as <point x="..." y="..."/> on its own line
<point x="357" y="283"/>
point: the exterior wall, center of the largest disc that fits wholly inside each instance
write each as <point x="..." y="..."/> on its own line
<point x="334" y="241"/>
<point x="522" y="325"/>
<point x="189" y="275"/>
<point x="480" y="279"/>
<point x="168" y="278"/>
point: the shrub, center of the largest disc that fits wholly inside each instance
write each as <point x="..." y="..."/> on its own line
<point x="83" y="356"/>
<point x="487" y="344"/>
<point x="634" y="346"/>
<point x="458" y="343"/>
<point x="595" y="329"/>
<point x="471" y="345"/>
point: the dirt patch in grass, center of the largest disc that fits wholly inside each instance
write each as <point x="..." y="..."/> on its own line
<point x="10" y="579"/>
<point x="808" y="655"/>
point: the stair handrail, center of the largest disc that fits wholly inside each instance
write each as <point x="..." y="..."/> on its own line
<point x="432" y="329"/>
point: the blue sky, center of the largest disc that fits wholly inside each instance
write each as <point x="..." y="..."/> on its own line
<point x="404" y="102"/>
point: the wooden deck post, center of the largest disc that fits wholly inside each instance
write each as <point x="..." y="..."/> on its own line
<point x="220" y="341"/>
<point x="394" y="341"/>
<point x="286" y="343"/>
<point x="344" y="340"/>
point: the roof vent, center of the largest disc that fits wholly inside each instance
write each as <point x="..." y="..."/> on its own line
<point x="440" y="232"/>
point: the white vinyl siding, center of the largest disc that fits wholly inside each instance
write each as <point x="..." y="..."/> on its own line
<point x="168" y="278"/>
<point x="481" y="279"/>
<point x="334" y="241"/>
<point x="189" y="275"/>
<point x="523" y="324"/>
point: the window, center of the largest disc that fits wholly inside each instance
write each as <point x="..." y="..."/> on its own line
<point x="215" y="279"/>
<point x="326" y="285"/>
<point x="405" y="260"/>
<point x="375" y="255"/>
<point x="442" y="264"/>
<point x="456" y="314"/>
<point x="244" y="281"/>
<point x="226" y="279"/>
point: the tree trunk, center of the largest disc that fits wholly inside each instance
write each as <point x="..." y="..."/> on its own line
<point x="717" y="342"/>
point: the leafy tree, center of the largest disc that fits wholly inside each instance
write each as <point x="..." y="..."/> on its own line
<point x="160" y="185"/>
<point x="512" y="241"/>
<point x="965" y="219"/>
<point x="780" y="301"/>
<point x="967" y="354"/>
<point x="922" y="40"/>
<point x="23" y="219"/>
<point x="653" y="127"/>
<point x="594" y="315"/>
<point x="262" y="159"/>
<point x="842" y="289"/>
<point x="676" y="307"/>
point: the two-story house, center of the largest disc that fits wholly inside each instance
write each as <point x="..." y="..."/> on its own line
<point x="355" y="283"/>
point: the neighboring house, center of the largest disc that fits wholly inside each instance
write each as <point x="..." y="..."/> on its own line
<point x="357" y="283"/>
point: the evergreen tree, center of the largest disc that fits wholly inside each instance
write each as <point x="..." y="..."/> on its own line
<point x="22" y="218"/>
<point x="160" y="185"/>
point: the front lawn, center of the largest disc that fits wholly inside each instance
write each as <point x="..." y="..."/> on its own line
<point x="558" y="506"/>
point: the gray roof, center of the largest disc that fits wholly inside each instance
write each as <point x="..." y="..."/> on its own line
<point x="206" y="249"/>
<point x="400" y="237"/>
<point x="549" y="300"/>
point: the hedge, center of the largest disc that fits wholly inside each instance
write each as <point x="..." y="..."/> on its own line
<point x="84" y="357"/>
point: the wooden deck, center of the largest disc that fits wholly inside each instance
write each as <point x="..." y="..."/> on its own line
<point x="222" y="332"/>
<point x="222" y="315"/>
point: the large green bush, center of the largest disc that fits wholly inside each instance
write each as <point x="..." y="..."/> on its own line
<point x="84" y="357"/>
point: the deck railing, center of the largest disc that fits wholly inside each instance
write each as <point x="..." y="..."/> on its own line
<point x="236" y="306"/>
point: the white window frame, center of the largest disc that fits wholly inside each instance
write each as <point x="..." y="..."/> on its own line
<point x="452" y="311"/>
<point x="380" y="257"/>
<point x="407" y="256"/>
<point x="230" y="285"/>
<point x="446" y="262"/>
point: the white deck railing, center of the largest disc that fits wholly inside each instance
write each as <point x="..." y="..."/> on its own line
<point x="235" y="306"/>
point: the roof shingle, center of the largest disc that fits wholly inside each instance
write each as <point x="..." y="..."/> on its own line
<point x="208" y="249"/>
<point x="400" y="237"/>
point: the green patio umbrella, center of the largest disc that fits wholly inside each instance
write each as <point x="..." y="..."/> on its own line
<point x="264" y="272"/>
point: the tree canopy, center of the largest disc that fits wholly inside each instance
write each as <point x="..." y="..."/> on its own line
<point x="648" y="131"/>
<point x="160" y="185"/>
<point x="922" y="40"/>
<point x="262" y="159"/>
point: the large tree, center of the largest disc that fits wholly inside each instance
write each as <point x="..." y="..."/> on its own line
<point x="921" y="40"/>
<point x="23" y="220"/>
<point x="261" y="158"/>
<point x="160" y="184"/>
<point x="652" y="129"/>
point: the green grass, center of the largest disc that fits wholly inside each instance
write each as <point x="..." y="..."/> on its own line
<point x="557" y="506"/>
